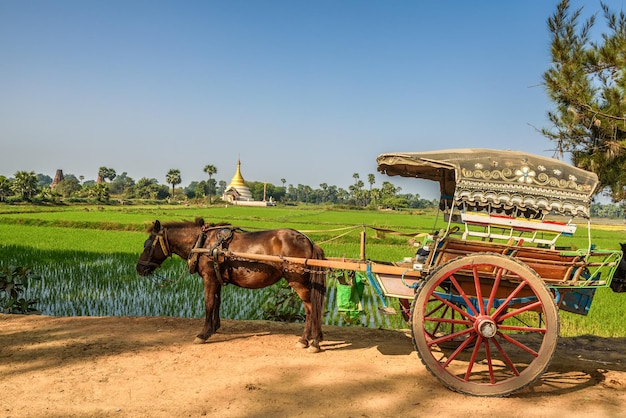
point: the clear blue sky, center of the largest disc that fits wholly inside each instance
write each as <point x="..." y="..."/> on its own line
<point x="308" y="91"/>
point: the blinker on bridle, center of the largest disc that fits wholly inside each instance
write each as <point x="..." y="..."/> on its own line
<point x="159" y="238"/>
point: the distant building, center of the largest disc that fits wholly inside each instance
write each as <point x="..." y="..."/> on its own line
<point x="237" y="193"/>
<point x="58" y="177"/>
<point x="237" y="189"/>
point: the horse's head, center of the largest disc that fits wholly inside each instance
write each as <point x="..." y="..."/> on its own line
<point x="155" y="250"/>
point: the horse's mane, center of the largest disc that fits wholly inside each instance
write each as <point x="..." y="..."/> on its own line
<point x="199" y="222"/>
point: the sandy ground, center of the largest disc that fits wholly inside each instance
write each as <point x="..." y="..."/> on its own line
<point x="148" y="367"/>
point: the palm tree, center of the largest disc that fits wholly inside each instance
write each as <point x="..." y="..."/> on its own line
<point x="5" y="188"/>
<point x="173" y="178"/>
<point x="371" y="179"/>
<point x="25" y="184"/>
<point x="105" y="173"/>
<point x="210" y="170"/>
<point x="100" y="192"/>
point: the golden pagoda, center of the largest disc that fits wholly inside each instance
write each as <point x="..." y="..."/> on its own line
<point x="237" y="189"/>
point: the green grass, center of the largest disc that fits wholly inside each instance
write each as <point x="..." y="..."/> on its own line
<point x="87" y="256"/>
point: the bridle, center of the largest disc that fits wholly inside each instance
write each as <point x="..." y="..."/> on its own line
<point x="157" y="238"/>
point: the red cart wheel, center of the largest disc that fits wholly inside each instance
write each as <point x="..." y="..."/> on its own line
<point x="485" y="324"/>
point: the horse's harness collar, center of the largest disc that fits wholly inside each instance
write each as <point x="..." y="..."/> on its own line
<point x="223" y="237"/>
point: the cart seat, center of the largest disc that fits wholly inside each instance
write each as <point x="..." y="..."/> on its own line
<point x="529" y="230"/>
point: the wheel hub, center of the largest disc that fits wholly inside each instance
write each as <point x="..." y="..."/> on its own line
<point x="486" y="327"/>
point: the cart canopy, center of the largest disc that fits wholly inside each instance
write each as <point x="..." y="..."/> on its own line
<point x="508" y="180"/>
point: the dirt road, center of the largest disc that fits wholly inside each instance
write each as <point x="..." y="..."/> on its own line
<point x="148" y="367"/>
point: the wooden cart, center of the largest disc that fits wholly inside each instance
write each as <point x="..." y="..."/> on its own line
<point x="485" y="318"/>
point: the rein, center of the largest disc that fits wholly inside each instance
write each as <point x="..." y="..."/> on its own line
<point x="163" y="281"/>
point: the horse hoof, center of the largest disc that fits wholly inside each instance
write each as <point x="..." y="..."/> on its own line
<point x="300" y="344"/>
<point x="313" y="349"/>
<point x="199" y="340"/>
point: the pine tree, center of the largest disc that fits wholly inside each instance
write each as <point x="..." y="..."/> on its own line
<point x="587" y="83"/>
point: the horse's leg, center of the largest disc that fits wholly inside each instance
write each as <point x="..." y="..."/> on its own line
<point x="307" y="340"/>
<point x="216" y="309"/>
<point x="315" y="281"/>
<point x="212" y="296"/>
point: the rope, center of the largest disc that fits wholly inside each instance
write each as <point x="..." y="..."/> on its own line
<point x="329" y="230"/>
<point x="340" y="235"/>
<point x="163" y="281"/>
<point x="350" y="229"/>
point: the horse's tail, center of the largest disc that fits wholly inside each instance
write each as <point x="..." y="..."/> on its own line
<point x="318" y="292"/>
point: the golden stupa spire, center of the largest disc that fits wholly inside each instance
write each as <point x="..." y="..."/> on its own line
<point x="237" y="178"/>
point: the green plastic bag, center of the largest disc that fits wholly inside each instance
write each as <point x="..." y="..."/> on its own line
<point x="350" y="288"/>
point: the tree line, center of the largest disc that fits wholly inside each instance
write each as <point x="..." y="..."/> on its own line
<point x="113" y="188"/>
<point x="109" y="186"/>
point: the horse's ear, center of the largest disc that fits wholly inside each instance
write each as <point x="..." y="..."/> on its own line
<point x="200" y="221"/>
<point x="157" y="225"/>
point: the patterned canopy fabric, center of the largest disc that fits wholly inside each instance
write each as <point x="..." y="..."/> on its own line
<point x="508" y="180"/>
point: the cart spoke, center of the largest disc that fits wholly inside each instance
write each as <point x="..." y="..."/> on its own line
<point x="492" y="377"/>
<point x="518" y="311"/>
<point x="462" y="293"/>
<point x="458" y="351"/>
<point x="448" y="321"/>
<point x="436" y="309"/>
<point x="524" y="329"/>
<point x="470" y="366"/>
<point x="479" y="295"/>
<point x="453" y="306"/>
<point x="510" y="297"/>
<point x="494" y="289"/>
<point x="519" y="344"/>
<point x="450" y="337"/>
<point x="505" y="357"/>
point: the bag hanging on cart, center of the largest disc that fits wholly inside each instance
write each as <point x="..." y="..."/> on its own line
<point x="350" y="287"/>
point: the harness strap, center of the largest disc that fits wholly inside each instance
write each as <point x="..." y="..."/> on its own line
<point x="223" y="236"/>
<point x="192" y="259"/>
<point x="215" y="253"/>
<point x="160" y="239"/>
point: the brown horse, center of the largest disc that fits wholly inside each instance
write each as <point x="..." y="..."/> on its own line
<point x="217" y="270"/>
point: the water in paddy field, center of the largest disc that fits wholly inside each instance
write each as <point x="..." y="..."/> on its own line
<point x="108" y="285"/>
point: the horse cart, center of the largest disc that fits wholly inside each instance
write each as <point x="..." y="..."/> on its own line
<point x="482" y="295"/>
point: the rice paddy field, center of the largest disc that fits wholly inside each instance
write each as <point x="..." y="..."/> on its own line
<point x="86" y="258"/>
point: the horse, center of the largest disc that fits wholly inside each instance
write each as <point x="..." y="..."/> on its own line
<point x="216" y="270"/>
